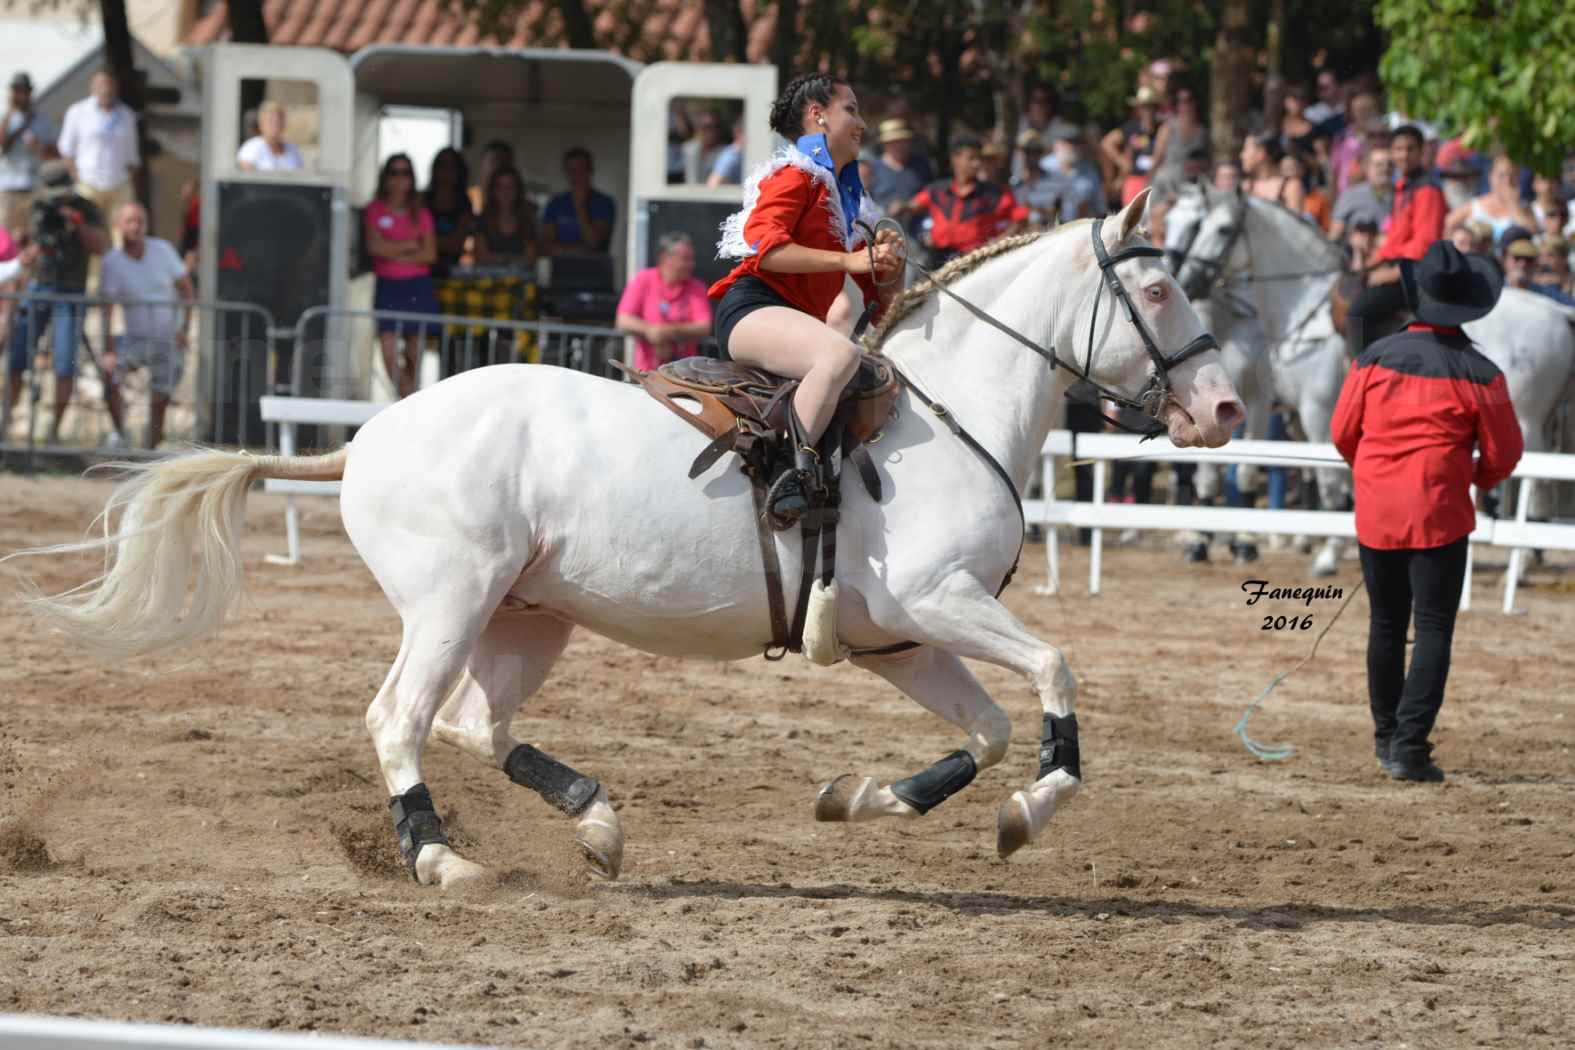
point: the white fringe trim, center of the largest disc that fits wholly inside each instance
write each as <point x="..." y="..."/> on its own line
<point x="732" y="244"/>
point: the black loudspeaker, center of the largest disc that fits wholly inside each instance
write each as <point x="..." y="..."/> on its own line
<point x="702" y="221"/>
<point x="273" y="251"/>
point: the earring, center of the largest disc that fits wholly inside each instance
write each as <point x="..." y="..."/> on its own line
<point x="821" y="121"/>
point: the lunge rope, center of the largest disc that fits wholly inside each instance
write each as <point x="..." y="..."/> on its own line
<point x="1280" y="752"/>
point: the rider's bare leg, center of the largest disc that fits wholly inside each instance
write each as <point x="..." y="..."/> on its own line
<point x="791" y="343"/>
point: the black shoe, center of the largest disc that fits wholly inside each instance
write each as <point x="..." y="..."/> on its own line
<point x="1381" y="749"/>
<point x="787" y="501"/>
<point x="1421" y="769"/>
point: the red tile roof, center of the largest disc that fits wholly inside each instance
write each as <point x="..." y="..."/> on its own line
<point x="645" y="30"/>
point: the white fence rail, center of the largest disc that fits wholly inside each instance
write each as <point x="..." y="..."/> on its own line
<point x="69" y="1033"/>
<point x="289" y="413"/>
<point x="1517" y="534"/>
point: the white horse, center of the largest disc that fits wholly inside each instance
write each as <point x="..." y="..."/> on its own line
<point x="1238" y="249"/>
<point x="506" y="506"/>
<point x="1260" y="276"/>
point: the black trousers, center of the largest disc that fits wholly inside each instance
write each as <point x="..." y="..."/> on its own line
<point x="1399" y="583"/>
<point x="1368" y="312"/>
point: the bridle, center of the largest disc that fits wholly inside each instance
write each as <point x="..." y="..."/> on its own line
<point x="1151" y="400"/>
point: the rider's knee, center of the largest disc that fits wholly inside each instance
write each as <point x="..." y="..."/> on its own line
<point x="841" y="359"/>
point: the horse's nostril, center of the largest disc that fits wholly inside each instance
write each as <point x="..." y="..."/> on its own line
<point x="1229" y="414"/>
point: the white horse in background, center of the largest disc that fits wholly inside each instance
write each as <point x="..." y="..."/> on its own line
<point x="506" y="506"/>
<point x="1260" y="277"/>
<point x="1235" y="250"/>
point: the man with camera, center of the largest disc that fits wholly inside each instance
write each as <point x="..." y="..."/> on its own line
<point x="65" y="231"/>
<point x="144" y="270"/>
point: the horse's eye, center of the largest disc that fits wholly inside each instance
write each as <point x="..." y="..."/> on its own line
<point x="1226" y="231"/>
<point x="1156" y="292"/>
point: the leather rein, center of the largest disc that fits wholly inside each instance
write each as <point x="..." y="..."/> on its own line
<point x="1150" y="400"/>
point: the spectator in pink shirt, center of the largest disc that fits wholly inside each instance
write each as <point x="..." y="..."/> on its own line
<point x="665" y="307"/>
<point x="402" y="240"/>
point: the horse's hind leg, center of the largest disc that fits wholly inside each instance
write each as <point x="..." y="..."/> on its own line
<point x="436" y="643"/>
<point x="508" y="665"/>
<point x="939" y="681"/>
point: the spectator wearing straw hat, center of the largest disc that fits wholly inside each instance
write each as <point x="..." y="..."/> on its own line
<point x="1412" y="411"/>
<point x="1519" y="255"/>
<point x="896" y="180"/>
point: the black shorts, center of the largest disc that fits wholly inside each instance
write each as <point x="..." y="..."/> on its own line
<point x="748" y="294"/>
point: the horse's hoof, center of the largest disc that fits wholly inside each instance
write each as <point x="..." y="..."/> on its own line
<point x="1246" y="553"/>
<point x="1324" y="566"/>
<point x="1012" y="831"/>
<point x="834" y="804"/>
<point x="1197" y="554"/>
<point x="601" y="845"/>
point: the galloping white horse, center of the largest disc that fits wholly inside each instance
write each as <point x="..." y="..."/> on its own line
<point x="1236" y="251"/>
<point x="504" y="507"/>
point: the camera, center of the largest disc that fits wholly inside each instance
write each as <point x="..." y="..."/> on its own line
<point x="48" y="224"/>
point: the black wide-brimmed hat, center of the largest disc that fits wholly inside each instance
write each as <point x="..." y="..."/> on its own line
<point x="1448" y="287"/>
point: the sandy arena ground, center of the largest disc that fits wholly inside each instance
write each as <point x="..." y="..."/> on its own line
<point x="205" y="838"/>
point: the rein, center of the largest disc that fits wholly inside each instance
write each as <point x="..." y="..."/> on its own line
<point x="1150" y="401"/>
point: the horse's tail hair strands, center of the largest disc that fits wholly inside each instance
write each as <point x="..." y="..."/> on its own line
<point x="162" y="518"/>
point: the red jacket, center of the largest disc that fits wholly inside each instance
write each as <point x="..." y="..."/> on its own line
<point x="1413" y="408"/>
<point x="965" y="221"/>
<point x="1417" y="220"/>
<point x="794" y="206"/>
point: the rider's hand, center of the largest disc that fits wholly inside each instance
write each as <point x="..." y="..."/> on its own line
<point x="1384" y="274"/>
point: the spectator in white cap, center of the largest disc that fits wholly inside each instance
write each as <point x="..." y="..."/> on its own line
<point x="27" y="139"/>
<point x="99" y="141"/>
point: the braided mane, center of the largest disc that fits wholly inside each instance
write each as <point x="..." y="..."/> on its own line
<point x="911" y="299"/>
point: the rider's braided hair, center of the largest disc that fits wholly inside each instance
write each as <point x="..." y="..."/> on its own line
<point x="787" y="112"/>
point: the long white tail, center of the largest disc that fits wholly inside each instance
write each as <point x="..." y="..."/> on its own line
<point x="169" y="529"/>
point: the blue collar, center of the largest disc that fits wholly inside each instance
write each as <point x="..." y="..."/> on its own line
<point x="849" y="187"/>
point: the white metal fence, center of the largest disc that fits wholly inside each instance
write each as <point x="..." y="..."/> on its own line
<point x="24" y="1032"/>
<point x="1517" y="535"/>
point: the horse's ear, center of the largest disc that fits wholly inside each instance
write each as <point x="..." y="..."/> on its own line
<point x="1126" y="221"/>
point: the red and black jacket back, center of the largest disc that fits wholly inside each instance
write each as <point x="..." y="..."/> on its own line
<point x="1413" y="409"/>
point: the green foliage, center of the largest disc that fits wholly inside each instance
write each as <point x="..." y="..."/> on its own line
<point x="1496" y="71"/>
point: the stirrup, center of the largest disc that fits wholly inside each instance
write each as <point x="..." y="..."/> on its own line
<point x="788" y="499"/>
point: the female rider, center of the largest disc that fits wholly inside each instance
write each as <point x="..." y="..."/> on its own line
<point x="796" y="241"/>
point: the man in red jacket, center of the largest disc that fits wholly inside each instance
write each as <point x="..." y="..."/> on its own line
<point x="1415" y="222"/>
<point x="1413" y="409"/>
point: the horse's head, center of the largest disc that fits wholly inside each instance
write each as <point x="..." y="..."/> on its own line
<point x="1203" y="407"/>
<point x="1203" y="238"/>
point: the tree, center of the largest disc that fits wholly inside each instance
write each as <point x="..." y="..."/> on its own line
<point x="1230" y="81"/>
<point x="1494" y="71"/>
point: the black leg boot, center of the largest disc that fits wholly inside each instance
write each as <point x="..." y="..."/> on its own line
<point x="791" y="494"/>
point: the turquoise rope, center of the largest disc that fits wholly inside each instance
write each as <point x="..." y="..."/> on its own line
<point x="1280" y="752"/>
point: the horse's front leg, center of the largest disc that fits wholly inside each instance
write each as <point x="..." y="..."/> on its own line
<point x="939" y="681"/>
<point x="965" y="620"/>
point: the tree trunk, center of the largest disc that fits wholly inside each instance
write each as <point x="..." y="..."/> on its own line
<point x="577" y="25"/>
<point x="784" y="43"/>
<point x="1230" y="83"/>
<point x="117" y="55"/>
<point x="729" y="39"/>
<point x="247" y="26"/>
<point x="1274" y="80"/>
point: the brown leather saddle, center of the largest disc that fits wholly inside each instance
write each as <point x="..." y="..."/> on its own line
<point x="745" y="411"/>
